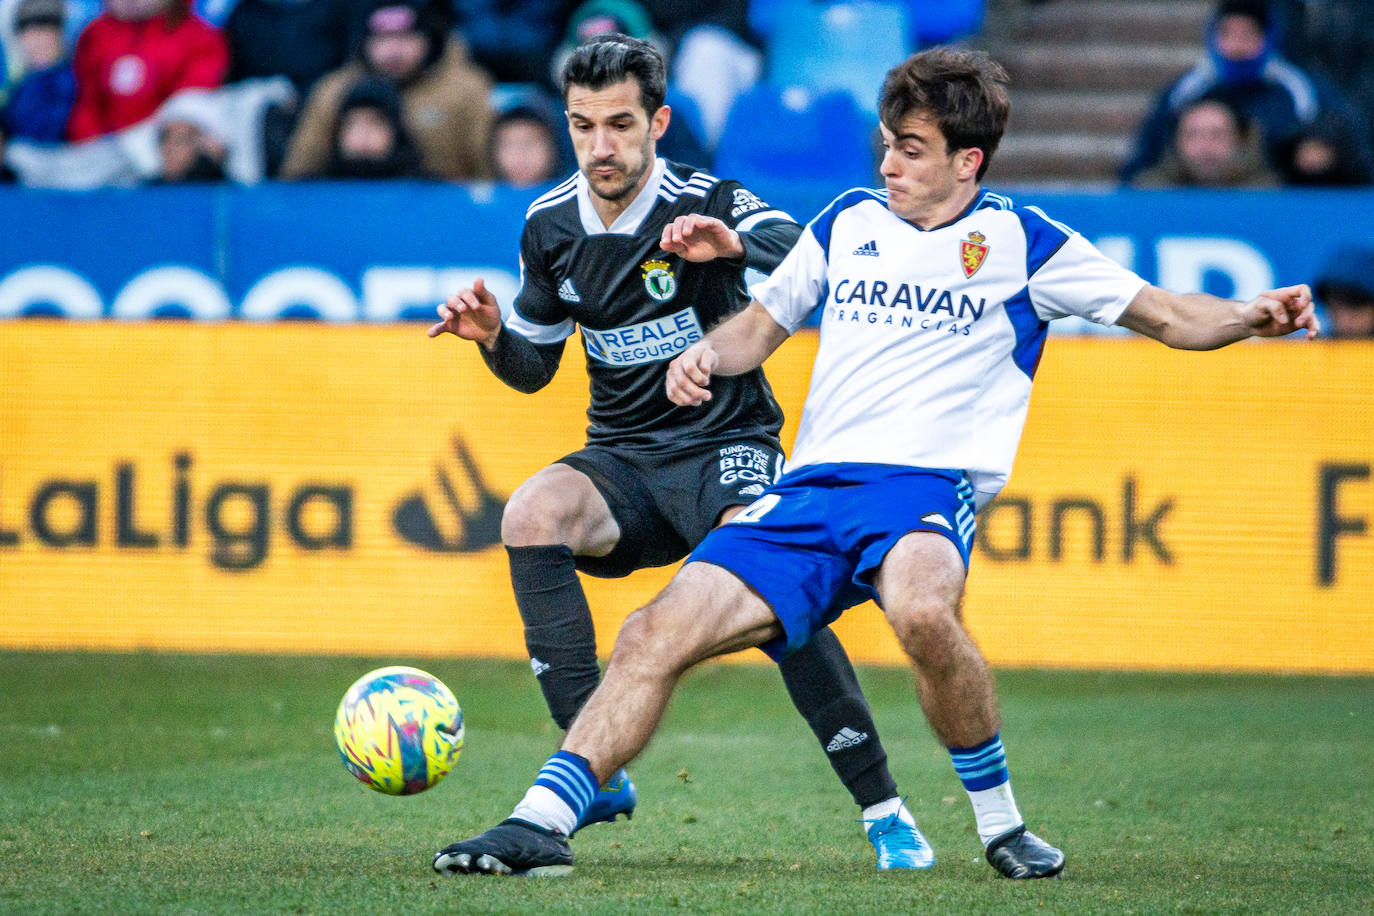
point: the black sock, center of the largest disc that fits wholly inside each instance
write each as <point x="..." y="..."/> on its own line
<point x="822" y="684"/>
<point x="558" y="627"/>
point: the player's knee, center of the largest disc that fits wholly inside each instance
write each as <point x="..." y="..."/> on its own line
<point x="529" y="520"/>
<point x="923" y="627"/>
<point x="646" y="641"/>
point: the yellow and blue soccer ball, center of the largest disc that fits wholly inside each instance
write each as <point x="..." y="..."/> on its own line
<point x="399" y="730"/>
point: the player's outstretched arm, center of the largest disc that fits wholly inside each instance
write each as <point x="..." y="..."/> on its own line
<point x="1198" y="321"/>
<point x="735" y="346"/>
<point x="698" y="237"/>
<point x="472" y="314"/>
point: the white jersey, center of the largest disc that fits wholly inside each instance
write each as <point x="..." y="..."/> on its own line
<point x="930" y="338"/>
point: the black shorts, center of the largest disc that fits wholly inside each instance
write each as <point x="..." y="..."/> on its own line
<point x="665" y="503"/>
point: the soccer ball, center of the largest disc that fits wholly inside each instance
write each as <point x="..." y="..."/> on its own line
<point x="399" y="730"/>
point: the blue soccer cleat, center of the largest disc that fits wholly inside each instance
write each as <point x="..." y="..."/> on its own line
<point x="616" y="797"/>
<point x="899" y="844"/>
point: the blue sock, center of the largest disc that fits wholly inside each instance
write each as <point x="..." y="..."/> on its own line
<point x="983" y="771"/>
<point x="560" y="795"/>
<point x="981" y="766"/>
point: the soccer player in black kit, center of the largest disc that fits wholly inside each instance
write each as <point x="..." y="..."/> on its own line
<point x="645" y="256"/>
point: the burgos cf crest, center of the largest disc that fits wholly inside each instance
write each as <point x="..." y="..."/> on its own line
<point x="659" y="281"/>
<point x="972" y="251"/>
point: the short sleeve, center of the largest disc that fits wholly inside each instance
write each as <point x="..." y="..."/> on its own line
<point x="1069" y="276"/>
<point x="537" y="315"/>
<point x="793" y="291"/>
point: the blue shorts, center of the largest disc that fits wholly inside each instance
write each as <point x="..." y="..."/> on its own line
<point x="812" y="542"/>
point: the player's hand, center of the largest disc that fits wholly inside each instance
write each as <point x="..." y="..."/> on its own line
<point x="690" y="374"/>
<point x="696" y="237"/>
<point x="1281" y="311"/>
<point x="472" y="314"/>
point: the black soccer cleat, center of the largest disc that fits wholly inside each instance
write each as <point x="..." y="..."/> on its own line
<point x="512" y="847"/>
<point x="1021" y="854"/>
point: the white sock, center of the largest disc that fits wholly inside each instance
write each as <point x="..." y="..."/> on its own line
<point x="541" y="806"/>
<point x="996" y="812"/>
<point x="882" y="809"/>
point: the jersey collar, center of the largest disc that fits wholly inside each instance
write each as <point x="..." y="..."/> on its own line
<point x="629" y="220"/>
<point x="974" y="204"/>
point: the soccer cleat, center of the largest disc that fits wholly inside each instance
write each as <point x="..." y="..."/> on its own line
<point x="512" y="847"/>
<point x="618" y="796"/>
<point x="898" y="844"/>
<point x="1021" y="854"/>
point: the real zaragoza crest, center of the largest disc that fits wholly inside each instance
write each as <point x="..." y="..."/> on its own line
<point x="659" y="281"/>
<point x="972" y="251"/>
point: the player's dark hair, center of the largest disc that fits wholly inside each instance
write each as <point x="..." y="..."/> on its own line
<point x="965" y="92"/>
<point x="609" y="59"/>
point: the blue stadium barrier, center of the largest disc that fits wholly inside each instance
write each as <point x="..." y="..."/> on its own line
<point x="388" y="252"/>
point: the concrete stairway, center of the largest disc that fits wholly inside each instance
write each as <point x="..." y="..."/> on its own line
<point x="1083" y="75"/>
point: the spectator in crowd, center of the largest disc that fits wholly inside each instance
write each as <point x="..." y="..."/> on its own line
<point x="525" y="147"/>
<point x="1323" y="155"/>
<point x="605" y="17"/>
<point x="1214" y="146"/>
<point x="299" y="39"/>
<point x="1243" y="66"/>
<point x="1345" y="286"/>
<point x="445" y="98"/>
<point x="512" y="39"/>
<point x="673" y="19"/>
<point x="370" y="139"/>
<point x="192" y="141"/>
<point x="40" y="103"/>
<point x="134" y="56"/>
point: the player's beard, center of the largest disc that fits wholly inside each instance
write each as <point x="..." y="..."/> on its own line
<point x="626" y="186"/>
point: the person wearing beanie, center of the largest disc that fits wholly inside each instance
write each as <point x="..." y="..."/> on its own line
<point x="525" y="147"/>
<point x="192" y="140"/>
<point x="1345" y="288"/>
<point x="445" y="98"/>
<point x="370" y="138"/>
<point x="1243" y="65"/>
<point x="41" y="101"/>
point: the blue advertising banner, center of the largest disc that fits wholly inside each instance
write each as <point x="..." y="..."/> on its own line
<point x="387" y="252"/>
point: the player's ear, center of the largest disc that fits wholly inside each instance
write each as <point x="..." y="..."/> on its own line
<point x="967" y="161"/>
<point x="658" y="124"/>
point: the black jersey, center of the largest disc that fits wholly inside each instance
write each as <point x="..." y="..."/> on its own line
<point x="639" y="306"/>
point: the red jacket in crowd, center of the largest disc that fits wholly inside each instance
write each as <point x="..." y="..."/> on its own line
<point x="126" y="69"/>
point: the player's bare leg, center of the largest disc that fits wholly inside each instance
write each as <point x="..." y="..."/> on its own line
<point x="921" y="584"/>
<point x="704" y="612"/>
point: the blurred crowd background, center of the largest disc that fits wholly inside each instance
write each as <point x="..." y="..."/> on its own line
<point x="1106" y="93"/>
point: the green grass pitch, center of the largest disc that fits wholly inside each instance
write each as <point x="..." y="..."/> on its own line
<point x="188" y="784"/>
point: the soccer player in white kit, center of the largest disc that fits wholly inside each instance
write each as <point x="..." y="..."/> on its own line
<point x="935" y="296"/>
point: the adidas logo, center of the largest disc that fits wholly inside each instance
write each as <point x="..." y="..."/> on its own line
<point x="754" y="489"/>
<point x="539" y="667"/>
<point x="567" y="293"/>
<point x="845" y="737"/>
<point x="935" y="518"/>
<point x="868" y="248"/>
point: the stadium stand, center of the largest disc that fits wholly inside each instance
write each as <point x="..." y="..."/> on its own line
<point x="787" y="134"/>
<point x="1083" y="73"/>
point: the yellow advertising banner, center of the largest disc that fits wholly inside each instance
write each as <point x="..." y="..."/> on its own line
<point x="338" y="489"/>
